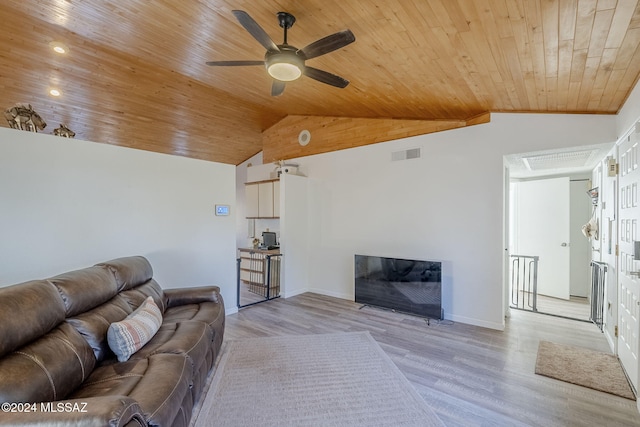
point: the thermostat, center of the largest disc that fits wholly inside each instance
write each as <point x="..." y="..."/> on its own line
<point x="222" y="210"/>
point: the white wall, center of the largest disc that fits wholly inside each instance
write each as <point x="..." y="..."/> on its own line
<point x="68" y="204"/>
<point x="296" y="240"/>
<point x="446" y="206"/>
<point x="629" y="114"/>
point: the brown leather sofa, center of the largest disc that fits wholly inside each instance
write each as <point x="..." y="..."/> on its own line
<point x="56" y="366"/>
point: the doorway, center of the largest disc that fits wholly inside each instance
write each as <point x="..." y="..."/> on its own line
<point x="550" y="258"/>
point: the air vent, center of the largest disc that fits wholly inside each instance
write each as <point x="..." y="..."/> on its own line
<point x="559" y="160"/>
<point x="412" y="153"/>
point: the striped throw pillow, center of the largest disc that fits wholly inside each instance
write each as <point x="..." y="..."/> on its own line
<point x="131" y="334"/>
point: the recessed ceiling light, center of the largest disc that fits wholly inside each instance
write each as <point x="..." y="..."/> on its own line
<point x="55" y="92"/>
<point x="59" y="47"/>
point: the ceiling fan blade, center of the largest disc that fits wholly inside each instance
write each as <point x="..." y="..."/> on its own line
<point x="277" y="87"/>
<point x="328" y="44"/>
<point x="325" y="77"/>
<point x="234" y="63"/>
<point x="255" y="30"/>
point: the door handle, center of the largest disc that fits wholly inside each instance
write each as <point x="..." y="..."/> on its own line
<point x="634" y="273"/>
<point x="564" y="244"/>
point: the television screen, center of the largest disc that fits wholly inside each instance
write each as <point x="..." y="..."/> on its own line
<point x="409" y="286"/>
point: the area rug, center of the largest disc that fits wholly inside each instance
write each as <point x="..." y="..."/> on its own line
<point x="342" y="379"/>
<point x="584" y="367"/>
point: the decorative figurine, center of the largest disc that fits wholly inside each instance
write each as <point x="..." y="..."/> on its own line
<point x="22" y="116"/>
<point x="64" y="132"/>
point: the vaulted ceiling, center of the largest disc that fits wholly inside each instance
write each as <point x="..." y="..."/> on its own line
<point x="135" y="73"/>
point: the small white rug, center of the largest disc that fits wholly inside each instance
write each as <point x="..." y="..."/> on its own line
<point x="342" y="379"/>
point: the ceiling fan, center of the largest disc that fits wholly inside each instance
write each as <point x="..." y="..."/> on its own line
<point x="285" y="62"/>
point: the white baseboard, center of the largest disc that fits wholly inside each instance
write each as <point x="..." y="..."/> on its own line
<point x="475" y="322"/>
<point x="294" y="293"/>
<point x="319" y="292"/>
<point x="341" y="295"/>
<point x="610" y="340"/>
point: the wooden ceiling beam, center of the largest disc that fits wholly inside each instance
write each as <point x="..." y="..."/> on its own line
<point x="327" y="133"/>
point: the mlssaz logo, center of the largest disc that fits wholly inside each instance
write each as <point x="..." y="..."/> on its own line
<point x="63" y="407"/>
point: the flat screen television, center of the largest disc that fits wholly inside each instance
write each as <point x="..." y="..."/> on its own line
<point x="404" y="285"/>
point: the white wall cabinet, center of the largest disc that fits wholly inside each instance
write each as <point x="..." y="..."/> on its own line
<point x="276" y="199"/>
<point x="251" y="200"/>
<point x="263" y="199"/>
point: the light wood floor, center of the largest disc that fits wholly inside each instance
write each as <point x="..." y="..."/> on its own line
<point x="574" y="308"/>
<point x="470" y="376"/>
<point x="247" y="297"/>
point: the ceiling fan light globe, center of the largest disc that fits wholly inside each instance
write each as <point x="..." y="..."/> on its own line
<point x="284" y="66"/>
<point x="284" y="71"/>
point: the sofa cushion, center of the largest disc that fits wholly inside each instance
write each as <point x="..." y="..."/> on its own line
<point x="93" y="325"/>
<point x="47" y="369"/>
<point x="192" y="339"/>
<point x="211" y="313"/>
<point x="192" y="295"/>
<point x="130" y="271"/>
<point x="129" y="335"/>
<point x="29" y="310"/>
<point x="158" y="383"/>
<point x="82" y="290"/>
<point x="137" y="295"/>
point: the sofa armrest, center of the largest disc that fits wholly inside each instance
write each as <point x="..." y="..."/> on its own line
<point x="182" y="296"/>
<point x="112" y="411"/>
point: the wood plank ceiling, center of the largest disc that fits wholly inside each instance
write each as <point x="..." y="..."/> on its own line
<point x="135" y="72"/>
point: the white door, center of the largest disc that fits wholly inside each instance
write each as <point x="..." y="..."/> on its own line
<point x="628" y="292"/>
<point x="542" y="228"/>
